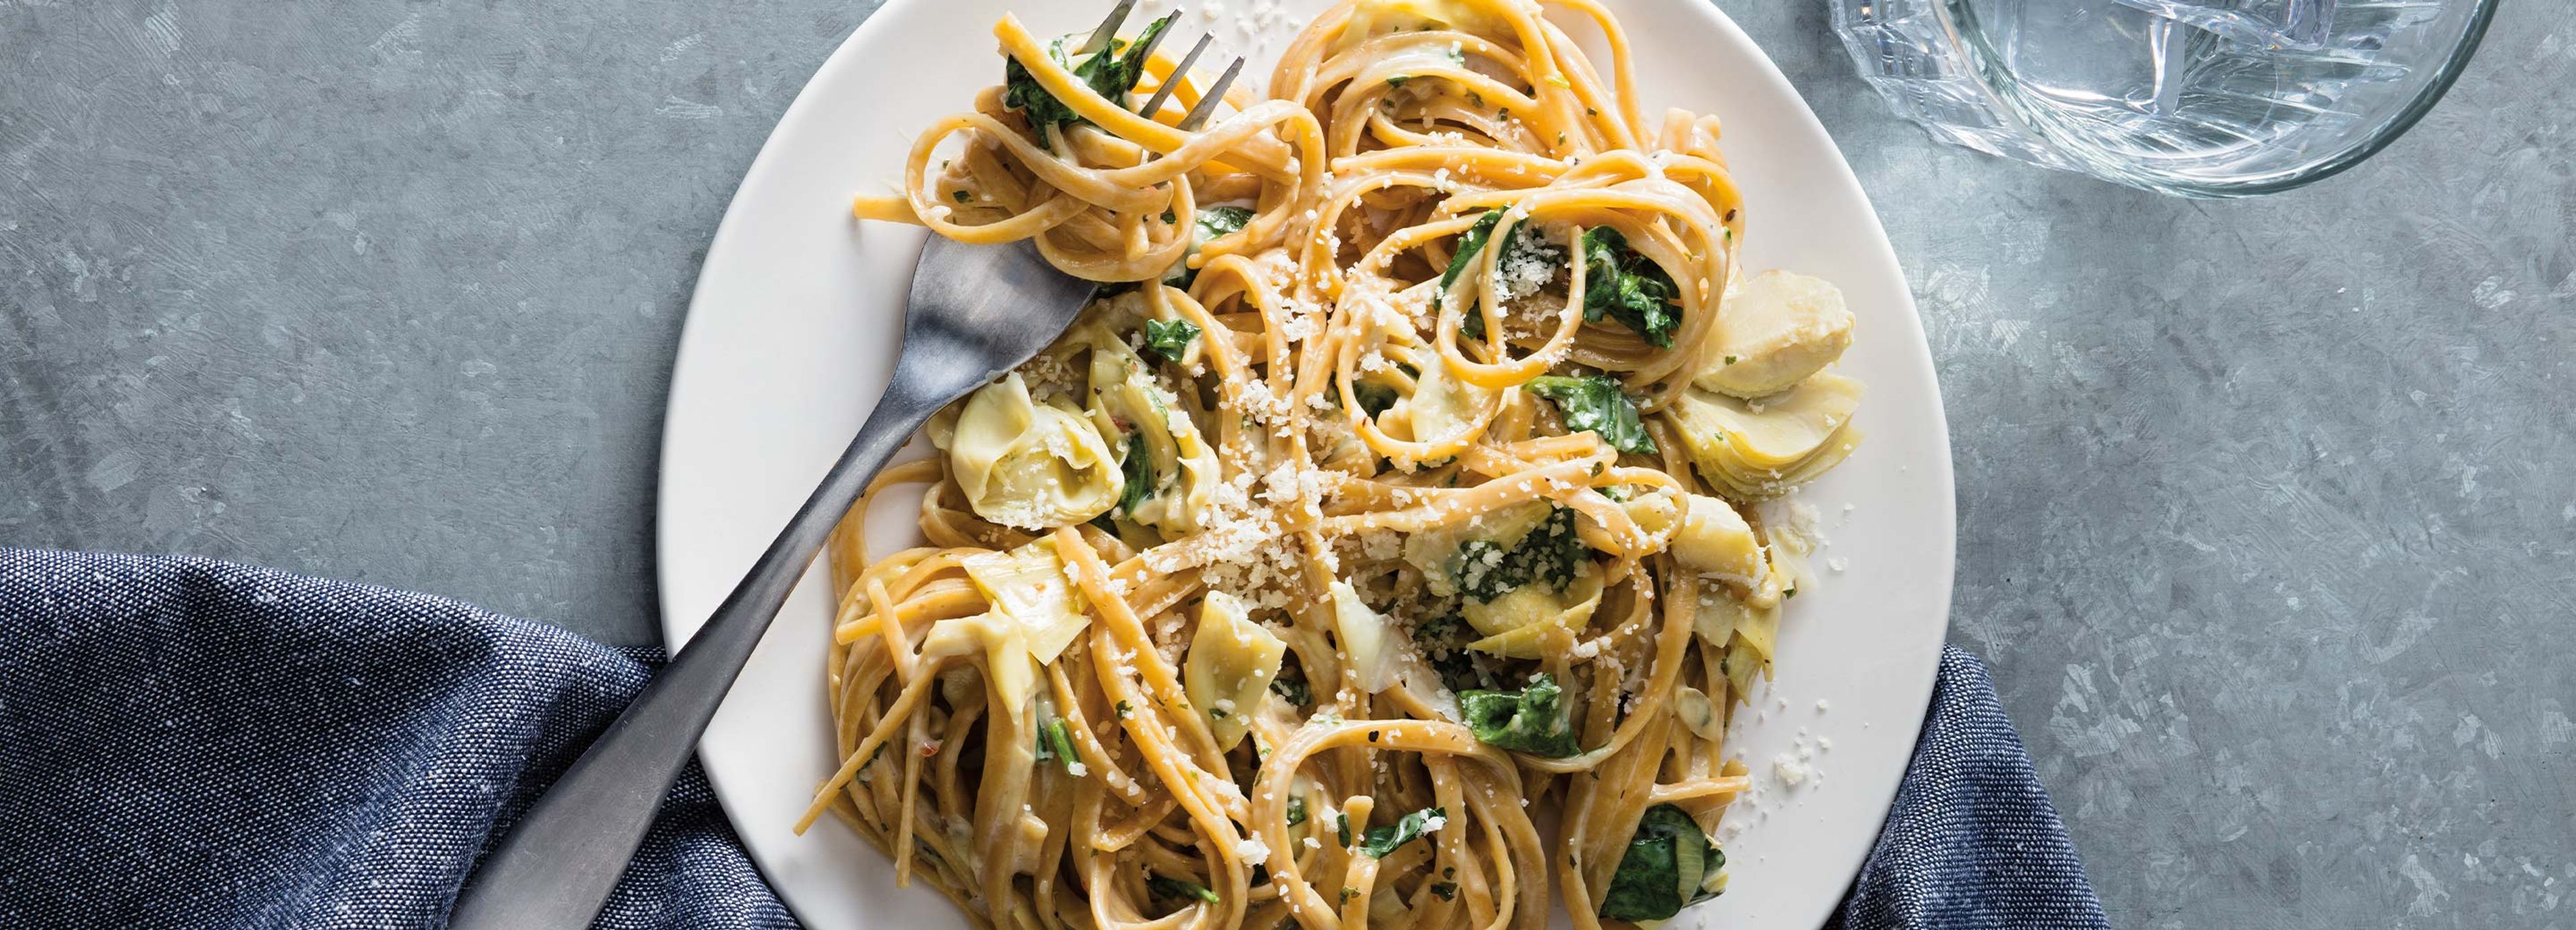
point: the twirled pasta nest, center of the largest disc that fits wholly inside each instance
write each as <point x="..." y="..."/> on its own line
<point x="1399" y="483"/>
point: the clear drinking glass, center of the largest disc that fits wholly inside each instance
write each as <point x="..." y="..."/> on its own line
<point x="2201" y="98"/>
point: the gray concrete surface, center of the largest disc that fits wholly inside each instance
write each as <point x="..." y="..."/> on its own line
<point x="2268" y="508"/>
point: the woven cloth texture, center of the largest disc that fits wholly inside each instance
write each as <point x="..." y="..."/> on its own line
<point x="190" y="743"/>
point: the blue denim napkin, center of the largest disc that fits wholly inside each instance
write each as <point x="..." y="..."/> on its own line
<point x="188" y="743"/>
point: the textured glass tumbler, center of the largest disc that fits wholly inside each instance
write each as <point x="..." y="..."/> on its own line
<point x="2200" y="98"/>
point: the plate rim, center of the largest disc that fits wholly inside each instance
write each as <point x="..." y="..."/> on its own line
<point x="675" y="629"/>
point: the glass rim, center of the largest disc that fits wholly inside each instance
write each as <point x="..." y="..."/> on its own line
<point x="2379" y="137"/>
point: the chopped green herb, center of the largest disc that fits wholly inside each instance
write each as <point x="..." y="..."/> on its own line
<point x="1125" y="710"/>
<point x="1398" y="80"/>
<point x="1530" y="720"/>
<point x="1348" y="893"/>
<point x="1342" y="828"/>
<point x="1730" y="360"/>
<point x="1622" y="285"/>
<point x="1296" y="811"/>
<point x="1792" y="592"/>
<point x="1381" y="841"/>
<point x="1171" y="217"/>
<point x="962" y="196"/>
<point x="1595" y="403"/>
<point x="1665" y="869"/>
<point x="1166" y="887"/>
<point x="1061" y="735"/>
<point x="1168" y="340"/>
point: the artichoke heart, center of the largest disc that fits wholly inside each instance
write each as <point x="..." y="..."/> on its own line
<point x="1714" y="541"/>
<point x="1029" y="585"/>
<point x="1181" y="469"/>
<point x="1516" y="624"/>
<point x="1442" y="407"/>
<point x="1009" y="670"/>
<point x="1231" y="663"/>
<point x="1695" y="710"/>
<point x="1758" y="449"/>
<point x="1773" y="331"/>
<point x="1369" y="642"/>
<point x="1028" y="464"/>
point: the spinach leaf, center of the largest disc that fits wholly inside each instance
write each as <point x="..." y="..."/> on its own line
<point x="1550" y="553"/>
<point x="1620" y="284"/>
<point x="1164" y="887"/>
<point x="1530" y="720"/>
<point x="1469" y="243"/>
<point x="1668" y="861"/>
<point x="1457" y="670"/>
<point x="1595" y="403"/>
<point x="1221" y="221"/>
<point x="1021" y="91"/>
<point x="1383" y="840"/>
<point x="1290" y="684"/>
<point x="1112" y="74"/>
<point x="1374" y="398"/>
<point x="1167" y="340"/>
<point x="1443" y="640"/>
<point x="1523" y="243"/>
<point x="1211" y="224"/>
<point x="1139" y="469"/>
<point x="1115" y="75"/>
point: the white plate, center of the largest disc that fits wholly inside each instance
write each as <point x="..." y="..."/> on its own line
<point x="792" y="333"/>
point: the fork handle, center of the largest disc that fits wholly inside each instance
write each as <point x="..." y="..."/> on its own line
<point x="557" y="865"/>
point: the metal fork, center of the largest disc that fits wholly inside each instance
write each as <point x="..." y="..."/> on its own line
<point x="975" y="313"/>
<point x="1206" y="107"/>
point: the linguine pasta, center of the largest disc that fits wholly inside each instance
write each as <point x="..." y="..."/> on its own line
<point x="1394" y="497"/>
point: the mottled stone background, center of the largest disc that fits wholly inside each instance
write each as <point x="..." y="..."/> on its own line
<point x="2268" y="508"/>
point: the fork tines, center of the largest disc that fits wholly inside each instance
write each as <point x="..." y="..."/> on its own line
<point x="1154" y="104"/>
<point x="1198" y="115"/>
<point x="1102" y="37"/>
<point x="1099" y="41"/>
